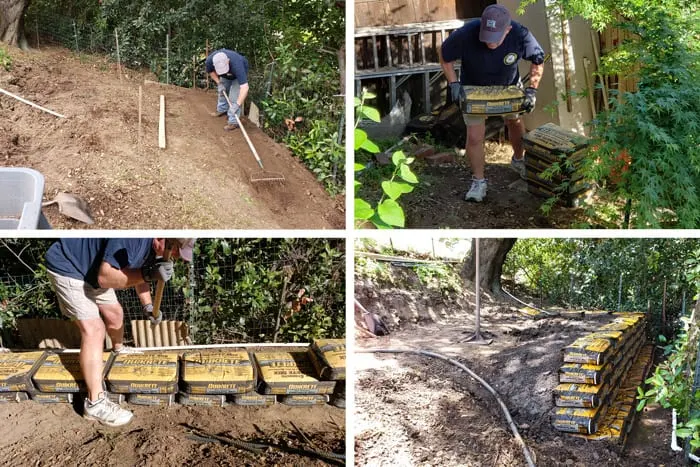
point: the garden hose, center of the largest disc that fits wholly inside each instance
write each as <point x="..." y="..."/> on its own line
<point x="509" y="419"/>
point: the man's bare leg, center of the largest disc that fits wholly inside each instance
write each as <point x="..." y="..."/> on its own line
<point x="516" y="130"/>
<point x="92" y="338"/>
<point x="475" y="149"/>
<point x="113" y="315"/>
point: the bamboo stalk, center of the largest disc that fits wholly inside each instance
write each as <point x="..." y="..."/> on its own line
<point x="171" y="333"/>
<point x="212" y="346"/>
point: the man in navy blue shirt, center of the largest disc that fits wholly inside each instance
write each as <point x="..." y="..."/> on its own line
<point x="490" y="49"/>
<point x="229" y="70"/>
<point x="84" y="273"/>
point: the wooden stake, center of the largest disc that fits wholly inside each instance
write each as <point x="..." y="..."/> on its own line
<point x="140" y="113"/>
<point x="119" y="62"/>
<point x="43" y="109"/>
<point x="161" y="123"/>
<point x="194" y="70"/>
<point x="205" y="71"/>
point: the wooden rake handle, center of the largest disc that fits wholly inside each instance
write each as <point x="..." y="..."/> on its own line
<point x="245" y="134"/>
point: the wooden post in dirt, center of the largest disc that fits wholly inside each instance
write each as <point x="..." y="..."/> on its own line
<point x="206" y="51"/>
<point x="140" y="113"/>
<point x="477" y="338"/>
<point x="161" y="123"/>
<point x="194" y="70"/>
<point x="36" y="24"/>
<point x="167" y="58"/>
<point x="119" y="61"/>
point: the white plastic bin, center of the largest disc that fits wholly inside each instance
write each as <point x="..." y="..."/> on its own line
<point x="21" y="192"/>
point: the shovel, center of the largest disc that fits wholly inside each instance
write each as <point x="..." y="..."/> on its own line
<point x="71" y="206"/>
<point x="262" y="176"/>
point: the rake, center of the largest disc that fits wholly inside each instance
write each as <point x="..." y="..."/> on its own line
<point x="261" y="176"/>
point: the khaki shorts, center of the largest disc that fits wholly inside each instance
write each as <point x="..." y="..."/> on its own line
<point x="471" y="120"/>
<point x="79" y="300"/>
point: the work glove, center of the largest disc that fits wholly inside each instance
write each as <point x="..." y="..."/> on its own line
<point x="220" y="88"/>
<point x="530" y="99"/>
<point x="456" y="92"/>
<point x="148" y="311"/>
<point x="159" y="270"/>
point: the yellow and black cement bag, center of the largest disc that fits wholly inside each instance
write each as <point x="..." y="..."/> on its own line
<point x="579" y="395"/>
<point x="207" y="400"/>
<point x="61" y="373"/>
<point x="253" y="398"/>
<point x="16" y="369"/>
<point x="210" y="372"/>
<point x="583" y="373"/>
<point x="289" y="373"/>
<point x="304" y="400"/>
<point x="616" y="338"/>
<point x="165" y="400"/>
<point x="589" y="351"/>
<point x="575" y="420"/>
<point x="17" y="396"/>
<point x="550" y="140"/>
<point x="147" y="373"/>
<point x="52" y="397"/>
<point x="328" y="357"/>
<point x="492" y="100"/>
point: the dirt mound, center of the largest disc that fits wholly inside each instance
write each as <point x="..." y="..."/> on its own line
<point x="36" y="434"/>
<point x="200" y="181"/>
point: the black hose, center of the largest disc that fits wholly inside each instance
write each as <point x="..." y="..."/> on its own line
<point x="509" y="419"/>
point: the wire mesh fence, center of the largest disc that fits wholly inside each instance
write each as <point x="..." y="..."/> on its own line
<point x="175" y="61"/>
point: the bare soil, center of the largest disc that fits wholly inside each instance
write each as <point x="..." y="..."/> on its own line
<point x="200" y="181"/>
<point x="438" y="202"/>
<point x="55" y="434"/>
<point x="414" y="410"/>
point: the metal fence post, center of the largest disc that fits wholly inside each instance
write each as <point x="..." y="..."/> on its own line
<point x="167" y="58"/>
<point x="75" y="33"/>
<point x="119" y="62"/>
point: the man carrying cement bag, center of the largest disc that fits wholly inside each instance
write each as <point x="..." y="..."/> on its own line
<point x="490" y="49"/>
<point x="229" y="70"/>
<point x="84" y="273"/>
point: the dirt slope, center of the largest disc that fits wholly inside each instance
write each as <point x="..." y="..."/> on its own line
<point x="200" y="181"/>
<point x="426" y="412"/>
<point x="43" y="435"/>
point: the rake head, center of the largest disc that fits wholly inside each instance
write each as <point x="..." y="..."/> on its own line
<point x="267" y="177"/>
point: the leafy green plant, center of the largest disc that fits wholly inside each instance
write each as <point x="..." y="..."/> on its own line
<point x="440" y="276"/>
<point x="387" y="213"/>
<point x="5" y="59"/>
<point x="318" y="148"/>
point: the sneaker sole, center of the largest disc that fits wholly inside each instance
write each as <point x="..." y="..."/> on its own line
<point x="474" y="200"/>
<point x="102" y="422"/>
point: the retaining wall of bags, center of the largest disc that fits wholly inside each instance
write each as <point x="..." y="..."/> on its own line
<point x="302" y="376"/>
<point x="599" y="378"/>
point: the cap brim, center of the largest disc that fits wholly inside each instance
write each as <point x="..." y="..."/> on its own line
<point x="491" y="37"/>
<point x="221" y="69"/>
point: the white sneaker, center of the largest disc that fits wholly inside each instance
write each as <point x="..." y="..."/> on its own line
<point x="477" y="192"/>
<point x="519" y="166"/>
<point x="106" y="412"/>
<point x="126" y="350"/>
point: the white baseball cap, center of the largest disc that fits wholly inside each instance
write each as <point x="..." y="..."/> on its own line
<point x="220" y="63"/>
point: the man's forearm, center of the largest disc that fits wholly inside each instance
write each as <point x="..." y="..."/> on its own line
<point x="448" y="68"/>
<point x="144" y="293"/>
<point x="536" y="72"/>
<point x="242" y="94"/>
<point x="214" y="76"/>
<point x="110" y="277"/>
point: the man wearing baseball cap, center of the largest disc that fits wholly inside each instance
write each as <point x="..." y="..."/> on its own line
<point x="229" y="70"/>
<point x="84" y="273"/>
<point x="490" y="49"/>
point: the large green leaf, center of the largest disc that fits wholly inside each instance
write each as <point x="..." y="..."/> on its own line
<point x="390" y="212"/>
<point x="395" y="189"/>
<point x="398" y="157"/>
<point x="360" y="138"/>
<point x="406" y="173"/>
<point x="371" y="113"/>
<point x="369" y="146"/>
<point x="363" y="210"/>
<point x="359" y="166"/>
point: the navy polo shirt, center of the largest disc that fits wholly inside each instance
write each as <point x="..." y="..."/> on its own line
<point x="237" y="65"/>
<point x="80" y="258"/>
<point x="482" y="66"/>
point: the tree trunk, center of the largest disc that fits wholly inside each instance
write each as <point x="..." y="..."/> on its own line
<point x="12" y="22"/>
<point x="492" y="255"/>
